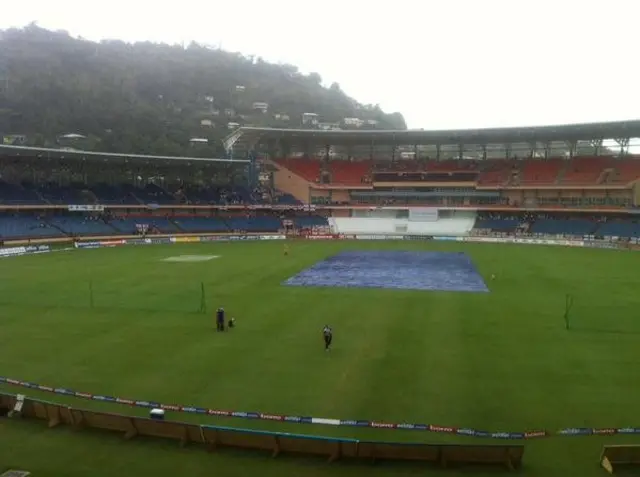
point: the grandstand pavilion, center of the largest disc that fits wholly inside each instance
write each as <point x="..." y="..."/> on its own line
<point x="588" y="164"/>
<point x="574" y="180"/>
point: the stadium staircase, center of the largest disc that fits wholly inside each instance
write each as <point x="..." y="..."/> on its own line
<point x="307" y="169"/>
<point x="81" y="226"/>
<point x="566" y="166"/>
<point x="496" y="173"/>
<point x="625" y="171"/>
<point x="585" y="171"/>
<point x="294" y="182"/>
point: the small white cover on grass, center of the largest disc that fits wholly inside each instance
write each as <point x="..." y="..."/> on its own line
<point x="190" y="258"/>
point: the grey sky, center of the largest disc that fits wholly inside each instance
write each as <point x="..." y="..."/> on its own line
<point x="443" y="64"/>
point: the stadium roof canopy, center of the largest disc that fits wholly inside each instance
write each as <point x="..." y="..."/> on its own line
<point x="570" y="132"/>
<point x="67" y="153"/>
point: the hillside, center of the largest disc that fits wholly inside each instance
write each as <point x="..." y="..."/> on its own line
<point x="154" y="98"/>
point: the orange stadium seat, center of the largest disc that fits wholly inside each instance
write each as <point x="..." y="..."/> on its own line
<point x="451" y="165"/>
<point x="540" y="171"/>
<point x="585" y="170"/>
<point x="496" y="172"/>
<point x="626" y="170"/>
<point x="349" y="173"/>
<point x="402" y="165"/>
<point x="308" y="169"/>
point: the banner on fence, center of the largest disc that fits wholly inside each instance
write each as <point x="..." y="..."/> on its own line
<point x="214" y="238"/>
<point x="324" y="237"/>
<point x="603" y="245"/>
<point x="17" y="251"/>
<point x="185" y="239"/>
<point x="168" y="240"/>
<point x="86" y="208"/>
<point x="418" y="237"/>
<point x="462" y="431"/>
<point x="527" y="241"/>
<point x="99" y="244"/>
<point x="379" y="237"/>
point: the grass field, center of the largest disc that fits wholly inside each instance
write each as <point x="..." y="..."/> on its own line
<point x="496" y="361"/>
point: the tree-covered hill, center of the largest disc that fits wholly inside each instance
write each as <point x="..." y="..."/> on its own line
<point x="153" y="98"/>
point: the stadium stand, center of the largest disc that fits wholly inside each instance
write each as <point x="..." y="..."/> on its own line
<point x="111" y="194"/>
<point x="309" y="221"/>
<point x="539" y="171"/>
<point x="308" y="169"/>
<point x="349" y="172"/>
<point x="625" y="171"/>
<point x="69" y="194"/>
<point x="18" y="227"/>
<point x="130" y="225"/>
<point x="254" y="224"/>
<point x="498" y="224"/>
<point x="201" y="224"/>
<point x="285" y="199"/>
<point x="619" y="228"/>
<point x="496" y="172"/>
<point x="14" y="194"/>
<point x="450" y="165"/>
<point x="82" y="225"/>
<point x="578" y="171"/>
<point x="179" y="192"/>
<point x="575" y="227"/>
<point x="585" y="171"/>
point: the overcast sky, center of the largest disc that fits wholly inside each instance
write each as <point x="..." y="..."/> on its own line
<point x="443" y="64"/>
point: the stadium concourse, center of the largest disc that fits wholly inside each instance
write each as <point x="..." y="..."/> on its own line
<point x="572" y="181"/>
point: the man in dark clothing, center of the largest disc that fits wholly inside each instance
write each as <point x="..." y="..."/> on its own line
<point x="220" y="319"/>
<point x="327" y="333"/>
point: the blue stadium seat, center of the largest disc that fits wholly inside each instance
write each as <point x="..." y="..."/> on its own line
<point x="287" y="199"/>
<point x="68" y="194"/>
<point x="576" y="227"/>
<point x="13" y="194"/>
<point x="619" y="229"/>
<point x="26" y="227"/>
<point x="498" y="225"/>
<point x="128" y="225"/>
<point x="310" y="221"/>
<point x="201" y="224"/>
<point x="255" y="224"/>
<point x="153" y="194"/>
<point x="108" y="194"/>
<point x="81" y="225"/>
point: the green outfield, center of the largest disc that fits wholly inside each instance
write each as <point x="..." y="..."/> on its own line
<point x="125" y="322"/>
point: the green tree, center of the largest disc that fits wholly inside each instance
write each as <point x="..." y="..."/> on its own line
<point x="148" y="97"/>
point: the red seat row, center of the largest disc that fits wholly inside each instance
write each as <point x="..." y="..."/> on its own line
<point x="493" y="172"/>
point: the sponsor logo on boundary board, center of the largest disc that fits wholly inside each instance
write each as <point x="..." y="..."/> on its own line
<point x="236" y="238"/>
<point x="17" y="251"/>
<point x="168" y="240"/>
